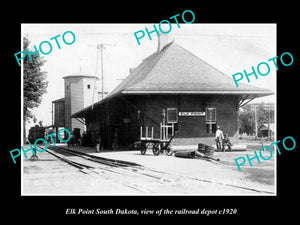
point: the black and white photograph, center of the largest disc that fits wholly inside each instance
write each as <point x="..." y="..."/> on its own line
<point x="137" y="109"/>
<point x="143" y="110"/>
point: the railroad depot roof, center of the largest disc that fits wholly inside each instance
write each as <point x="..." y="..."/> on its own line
<point x="175" y="70"/>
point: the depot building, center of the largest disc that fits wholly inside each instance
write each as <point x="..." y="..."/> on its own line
<point x="175" y="87"/>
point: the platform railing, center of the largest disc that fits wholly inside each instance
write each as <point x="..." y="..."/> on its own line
<point x="163" y="134"/>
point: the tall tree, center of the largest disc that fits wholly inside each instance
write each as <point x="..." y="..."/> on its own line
<point x="246" y="120"/>
<point x="34" y="82"/>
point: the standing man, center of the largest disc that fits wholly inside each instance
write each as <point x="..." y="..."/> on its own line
<point x="219" y="138"/>
<point x="98" y="142"/>
<point x="115" y="144"/>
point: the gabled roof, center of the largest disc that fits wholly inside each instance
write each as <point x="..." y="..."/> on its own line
<point x="175" y="70"/>
<point x="265" y="127"/>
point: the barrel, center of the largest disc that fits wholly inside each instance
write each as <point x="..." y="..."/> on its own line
<point x="209" y="151"/>
<point x="201" y="148"/>
<point x="185" y="154"/>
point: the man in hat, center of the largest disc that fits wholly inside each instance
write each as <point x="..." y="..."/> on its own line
<point x="226" y="142"/>
<point x="219" y="138"/>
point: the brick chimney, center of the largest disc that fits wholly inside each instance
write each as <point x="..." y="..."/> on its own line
<point x="163" y="38"/>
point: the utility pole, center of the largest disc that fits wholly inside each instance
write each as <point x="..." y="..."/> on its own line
<point x="269" y="136"/>
<point x="255" y="118"/>
<point x="100" y="48"/>
<point x="80" y="59"/>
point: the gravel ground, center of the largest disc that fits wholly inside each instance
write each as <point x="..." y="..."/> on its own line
<point x="50" y="176"/>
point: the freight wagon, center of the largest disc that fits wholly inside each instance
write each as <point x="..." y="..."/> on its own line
<point x="36" y="133"/>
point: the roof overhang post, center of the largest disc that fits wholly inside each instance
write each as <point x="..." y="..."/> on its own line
<point x="81" y="120"/>
<point x="242" y="101"/>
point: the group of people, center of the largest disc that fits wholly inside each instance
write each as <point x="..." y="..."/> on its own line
<point x="222" y="141"/>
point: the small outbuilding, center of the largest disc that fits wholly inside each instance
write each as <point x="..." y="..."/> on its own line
<point x="266" y="129"/>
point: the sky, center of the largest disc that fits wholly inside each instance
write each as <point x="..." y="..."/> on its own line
<point x="231" y="48"/>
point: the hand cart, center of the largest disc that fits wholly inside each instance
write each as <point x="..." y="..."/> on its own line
<point x="161" y="145"/>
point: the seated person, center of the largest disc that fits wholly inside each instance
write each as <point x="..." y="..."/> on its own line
<point x="226" y="142"/>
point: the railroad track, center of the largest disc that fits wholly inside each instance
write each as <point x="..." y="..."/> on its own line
<point x="119" y="164"/>
<point x="117" y="170"/>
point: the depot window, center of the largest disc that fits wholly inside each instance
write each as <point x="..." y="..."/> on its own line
<point x="211" y="120"/>
<point x="172" y="115"/>
<point x="172" y="118"/>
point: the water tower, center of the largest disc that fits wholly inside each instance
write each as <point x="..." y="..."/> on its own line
<point x="80" y="92"/>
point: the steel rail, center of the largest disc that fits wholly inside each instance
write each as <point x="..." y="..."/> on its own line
<point x="134" y="168"/>
<point x="87" y="169"/>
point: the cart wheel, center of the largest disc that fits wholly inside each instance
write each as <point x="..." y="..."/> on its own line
<point x="143" y="148"/>
<point x="155" y="149"/>
<point x="169" y="150"/>
<point x="162" y="147"/>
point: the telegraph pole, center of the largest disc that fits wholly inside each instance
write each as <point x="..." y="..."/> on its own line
<point x="255" y="118"/>
<point x="100" y="48"/>
<point x="269" y="136"/>
<point x="80" y="59"/>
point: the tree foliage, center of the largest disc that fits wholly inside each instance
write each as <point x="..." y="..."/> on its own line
<point x="246" y="120"/>
<point x="247" y="117"/>
<point x="34" y="81"/>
